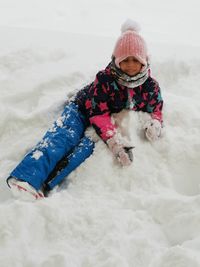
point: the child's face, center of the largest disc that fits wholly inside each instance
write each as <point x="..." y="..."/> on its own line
<point x="130" y="66"/>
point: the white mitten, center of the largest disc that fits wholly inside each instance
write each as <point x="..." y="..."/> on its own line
<point x="152" y="129"/>
<point x="121" y="152"/>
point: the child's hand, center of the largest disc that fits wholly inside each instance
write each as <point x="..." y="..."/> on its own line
<point x="152" y="130"/>
<point x="125" y="156"/>
<point x="121" y="152"/>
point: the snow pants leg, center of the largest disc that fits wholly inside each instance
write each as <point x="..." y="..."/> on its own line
<point x="70" y="162"/>
<point x="62" y="139"/>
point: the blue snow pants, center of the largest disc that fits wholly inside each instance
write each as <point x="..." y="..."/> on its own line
<point x="66" y="137"/>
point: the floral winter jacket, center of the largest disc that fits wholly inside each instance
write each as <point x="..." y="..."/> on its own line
<point x="105" y="96"/>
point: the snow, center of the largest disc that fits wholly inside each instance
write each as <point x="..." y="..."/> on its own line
<point x="105" y="216"/>
<point x="37" y="154"/>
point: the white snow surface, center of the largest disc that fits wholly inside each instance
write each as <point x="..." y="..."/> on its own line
<point x="147" y="214"/>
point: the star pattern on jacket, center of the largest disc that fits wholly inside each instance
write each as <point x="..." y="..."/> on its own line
<point x="103" y="106"/>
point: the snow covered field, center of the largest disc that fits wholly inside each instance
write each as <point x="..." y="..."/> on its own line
<point x="144" y="215"/>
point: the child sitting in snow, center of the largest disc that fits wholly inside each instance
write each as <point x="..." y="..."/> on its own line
<point x="124" y="84"/>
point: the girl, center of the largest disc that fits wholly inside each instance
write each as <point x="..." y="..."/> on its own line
<point x="124" y="84"/>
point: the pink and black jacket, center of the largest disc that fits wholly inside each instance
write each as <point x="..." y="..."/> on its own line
<point x="105" y="96"/>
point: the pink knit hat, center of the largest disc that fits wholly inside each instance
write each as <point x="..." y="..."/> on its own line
<point x="130" y="43"/>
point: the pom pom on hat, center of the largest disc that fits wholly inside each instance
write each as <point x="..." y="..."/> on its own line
<point x="130" y="43"/>
<point x="130" y="25"/>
